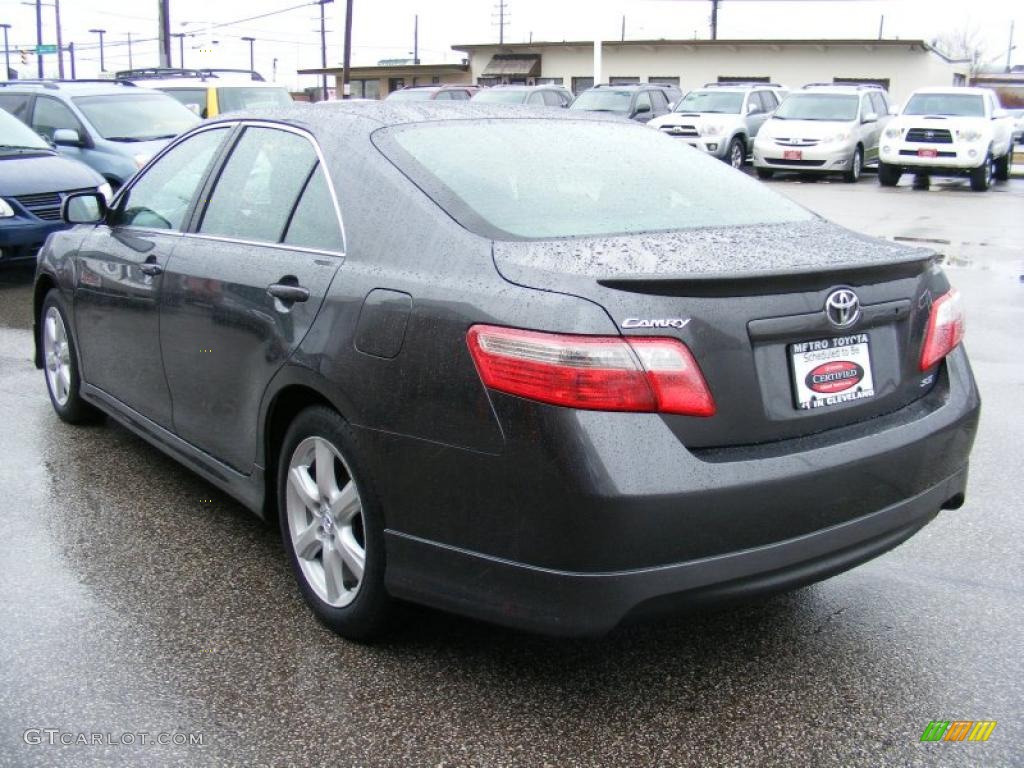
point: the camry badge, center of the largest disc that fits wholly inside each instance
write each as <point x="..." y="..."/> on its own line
<point x="661" y="322"/>
<point x="842" y="307"/>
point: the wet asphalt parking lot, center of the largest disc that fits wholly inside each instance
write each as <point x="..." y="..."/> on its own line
<point x="135" y="598"/>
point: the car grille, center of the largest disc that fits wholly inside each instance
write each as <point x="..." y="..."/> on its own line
<point x="804" y="163"/>
<point x="788" y="142"/>
<point x="929" y="136"/>
<point x="685" y="131"/>
<point x="46" y="206"/>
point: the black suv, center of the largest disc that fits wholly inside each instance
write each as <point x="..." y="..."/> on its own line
<point x="641" y="102"/>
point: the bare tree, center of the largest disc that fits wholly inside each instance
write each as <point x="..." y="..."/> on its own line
<point x="965" y="44"/>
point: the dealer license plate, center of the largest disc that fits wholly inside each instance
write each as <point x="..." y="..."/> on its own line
<point x="792" y="154"/>
<point x="828" y="372"/>
<point x="927" y="153"/>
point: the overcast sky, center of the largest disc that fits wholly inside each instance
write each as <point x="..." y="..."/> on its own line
<point x="384" y="28"/>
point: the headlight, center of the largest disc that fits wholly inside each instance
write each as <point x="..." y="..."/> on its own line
<point x="893" y="132"/>
<point x="105" y="190"/>
<point x="710" y="129"/>
<point x="5" y="209"/>
<point x="141" y="160"/>
<point x="970" y="134"/>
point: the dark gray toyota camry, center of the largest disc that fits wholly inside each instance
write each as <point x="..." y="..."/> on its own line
<point x="551" y="371"/>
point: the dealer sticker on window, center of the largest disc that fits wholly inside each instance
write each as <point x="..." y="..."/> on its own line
<point x="831" y="371"/>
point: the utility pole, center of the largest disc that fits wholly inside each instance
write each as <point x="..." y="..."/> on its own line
<point x="416" y="39"/>
<point x="181" y="49"/>
<point x="714" y="19"/>
<point x="623" y="38"/>
<point x="60" y="40"/>
<point x="502" y="14"/>
<point x="881" y="26"/>
<point x="130" y="66"/>
<point x="252" y="60"/>
<point x="100" y="32"/>
<point x="7" y="53"/>
<point x="164" y="31"/>
<point x="71" y="52"/>
<point x="323" y="48"/>
<point x="346" y="57"/>
<point x="39" y="36"/>
<point x="1010" y="46"/>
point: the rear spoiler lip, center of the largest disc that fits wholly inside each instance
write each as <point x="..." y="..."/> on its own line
<point x="769" y="282"/>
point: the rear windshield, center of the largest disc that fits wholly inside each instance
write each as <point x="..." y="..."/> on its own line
<point x="954" y="104"/>
<point x="234" y="98"/>
<point x="501" y="96"/>
<point x="533" y="179"/>
<point x="603" y="100"/>
<point x="727" y="102"/>
<point x="819" y="106"/>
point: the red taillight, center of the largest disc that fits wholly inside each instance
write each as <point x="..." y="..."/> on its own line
<point x="600" y="373"/>
<point x="945" y="329"/>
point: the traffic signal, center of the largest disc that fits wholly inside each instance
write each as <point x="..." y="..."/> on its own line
<point x="24" y="58"/>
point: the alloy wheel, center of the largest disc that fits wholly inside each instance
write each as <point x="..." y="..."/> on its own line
<point x="57" y="356"/>
<point x="325" y="521"/>
<point x="736" y="155"/>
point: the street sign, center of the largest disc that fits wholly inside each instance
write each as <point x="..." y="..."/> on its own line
<point x="46" y="49"/>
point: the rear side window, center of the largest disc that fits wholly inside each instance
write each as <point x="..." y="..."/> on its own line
<point x="552" y="99"/>
<point x="878" y="105"/>
<point x="315" y="221"/>
<point x="17" y="104"/>
<point x="163" y="194"/>
<point x="257" y="189"/>
<point x="632" y="179"/>
<point x="660" y="102"/>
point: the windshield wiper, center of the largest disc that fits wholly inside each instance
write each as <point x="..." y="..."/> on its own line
<point x="25" y="146"/>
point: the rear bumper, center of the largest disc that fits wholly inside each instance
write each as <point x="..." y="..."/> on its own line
<point x="579" y="604"/>
<point x="589" y="517"/>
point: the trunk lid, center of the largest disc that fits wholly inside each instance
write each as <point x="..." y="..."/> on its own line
<point x="741" y="298"/>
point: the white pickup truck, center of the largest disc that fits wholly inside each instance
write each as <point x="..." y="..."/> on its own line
<point x="953" y="131"/>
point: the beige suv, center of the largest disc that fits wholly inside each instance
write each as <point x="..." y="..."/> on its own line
<point x="824" y="128"/>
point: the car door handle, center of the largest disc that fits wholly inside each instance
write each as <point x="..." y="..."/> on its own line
<point x="286" y="292"/>
<point x="150" y="268"/>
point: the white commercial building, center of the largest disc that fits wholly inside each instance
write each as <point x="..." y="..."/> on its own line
<point x="899" y="65"/>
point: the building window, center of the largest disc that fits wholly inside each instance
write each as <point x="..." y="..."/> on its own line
<point x="882" y="81"/>
<point x="395" y="84"/>
<point x="738" y="79"/>
<point x="623" y="80"/>
<point x="580" y="84"/>
<point x="487" y="82"/>
<point x="548" y="81"/>
<point x="435" y="80"/>
<point x="365" y="89"/>
<point x="664" y="81"/>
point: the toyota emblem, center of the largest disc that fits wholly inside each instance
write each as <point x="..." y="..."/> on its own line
<point x="842" y="307"/>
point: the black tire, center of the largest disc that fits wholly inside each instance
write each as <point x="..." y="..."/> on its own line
<point x="765" y="173"/>
<point x="889" y="175"/>
<point x="74" y="410"/>
<point x="1002" y="172"/>
<point x="737" y="150"/>
<point x="366" y="617"/>
<point x="981" y="177"/>
<point x="852" y="176"/>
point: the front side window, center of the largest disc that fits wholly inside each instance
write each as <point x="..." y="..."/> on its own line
<point x="632" y="179"/>
<point x="161" y="197"/>
<point x="827" y="107"/>
<point x="643" y="99"/>
<point x="50" y="115"/>
<point x="715" y="102"/>
<point x="133" y="117"/>
<point x="946" y="104"/>
<point x="257" y="189"/>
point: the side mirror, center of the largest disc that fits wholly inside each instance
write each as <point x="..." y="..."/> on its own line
<point x="84" y="208"/>
<point x="999" y="114"/>
<point x="894" y="109"/>
<point x="66" y="137"/>
<point x="642" y="109"/>
<point x="870" y="117"/>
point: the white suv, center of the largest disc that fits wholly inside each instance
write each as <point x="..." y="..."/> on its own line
<point x="949" y="132"/>
<point x="823" y="128"/>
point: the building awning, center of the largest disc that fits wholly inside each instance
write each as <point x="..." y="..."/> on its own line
<point x="513" y="64"/>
